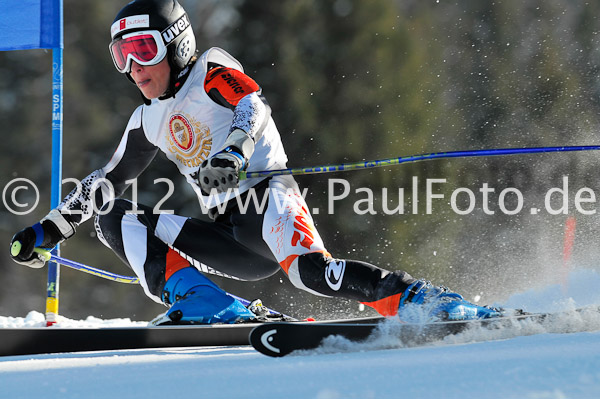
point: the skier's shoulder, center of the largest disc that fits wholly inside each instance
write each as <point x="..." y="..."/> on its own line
<point x="135" y="120"/>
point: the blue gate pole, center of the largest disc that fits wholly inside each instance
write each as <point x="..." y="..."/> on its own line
<point x="52" y="287"/>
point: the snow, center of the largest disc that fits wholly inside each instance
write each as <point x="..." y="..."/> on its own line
<point x="524" y="361"/>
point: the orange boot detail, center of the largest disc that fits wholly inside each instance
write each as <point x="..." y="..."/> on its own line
<point x="175" y="262"/>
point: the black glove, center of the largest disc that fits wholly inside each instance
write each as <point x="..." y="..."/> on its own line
<point x="45" y="234"/>
<point x="221" y="171"/>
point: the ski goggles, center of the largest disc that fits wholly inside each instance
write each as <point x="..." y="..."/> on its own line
<point x="145" y="48"/>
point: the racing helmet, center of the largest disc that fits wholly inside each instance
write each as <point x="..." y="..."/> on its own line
<point x="147" y="31"/>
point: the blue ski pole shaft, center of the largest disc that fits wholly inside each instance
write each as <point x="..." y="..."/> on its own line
<point x="49" y="256"/>
<point x="87" y="269"/>
<point x="410" y="158"/>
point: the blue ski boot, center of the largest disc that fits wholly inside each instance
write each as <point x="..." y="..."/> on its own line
<point x="194" y="299"/>
<point x="439" y="304"/>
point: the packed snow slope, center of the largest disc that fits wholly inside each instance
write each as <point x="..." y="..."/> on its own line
<point x="524" y="361"/>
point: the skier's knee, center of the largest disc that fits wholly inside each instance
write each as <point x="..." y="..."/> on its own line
<point x="308" y="272"/>
<point x="312" y="265"/>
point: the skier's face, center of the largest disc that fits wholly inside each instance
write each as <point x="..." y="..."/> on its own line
<point x="152" y="80"/>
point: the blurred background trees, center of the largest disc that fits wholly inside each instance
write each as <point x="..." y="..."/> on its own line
<point x="347" y="81"/>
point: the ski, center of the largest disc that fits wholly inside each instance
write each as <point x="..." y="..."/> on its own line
<point x="47" y="340"/>
<point x="282" y="338"/>
<point x="42" y="340"/>
<point x="271" y="338"/>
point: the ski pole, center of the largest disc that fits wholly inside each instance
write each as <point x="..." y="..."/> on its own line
<point x="408" y="159"/>
<point x="48" y="256"/>
<point x="87" y="269"/>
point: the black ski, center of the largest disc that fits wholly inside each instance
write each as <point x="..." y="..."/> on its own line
<point x="270" y="338"/>
<point x="281" y="338"/>
<point x="32" y="341"/>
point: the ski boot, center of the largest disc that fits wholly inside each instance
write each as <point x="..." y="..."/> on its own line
<point x="194" y="299"/>
<point x="439" y="304"/>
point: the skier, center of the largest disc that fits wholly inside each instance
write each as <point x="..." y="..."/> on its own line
<point x="211" y="121"/>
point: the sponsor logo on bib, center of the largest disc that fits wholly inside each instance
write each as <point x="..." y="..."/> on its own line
<point x="189" y="140"/>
